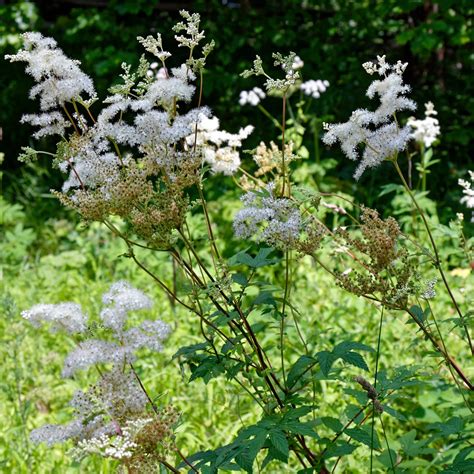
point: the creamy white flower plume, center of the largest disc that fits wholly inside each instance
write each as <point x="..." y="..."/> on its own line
<point x="377" y="131"/>
<point x="63" y="316"/>
<point x="59" y="78"/>
<point x="252" y="97"/>
<point x="425" y="131"/>
<point x="267" y="218"/>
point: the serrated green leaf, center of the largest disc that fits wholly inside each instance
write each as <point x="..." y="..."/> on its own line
<point x="301" y="366"/>
<point x="364" y="436"/>
<point x="341" y="448"/>
<point x="280" y="442"/>
<point x="325" y="360"/>
<point x="347" y="346"/>
<point x="418" y="313"/>
<point x="387" y="458"/>
<point x="240" y="279"/>
<point x="395" y="413"/>
<point x="190" y="350"/>
<point x="332" y="423"/>
<point x="355" y="359"/>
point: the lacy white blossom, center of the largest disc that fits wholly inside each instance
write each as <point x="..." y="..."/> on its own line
<point x="267" y="218"/>
<point x="126" y="297"/>
<point x="298" y="63"/>
<point x="425" y="131"/>
<point x="314" y="88"/>
<point x="66" y="316"/>
<point x="377" y="131"/>
<point x="218" y="147"/>
<point x="50" y="123"/>
<point x="150" y="335"/>
<point x="95" y="351"/>
<point x="115" y="396"/>
<point x="252" y="97"/>
<point x="53" y="434"/>
<point x="59" y="78"/>
<point x="468" y="191"/>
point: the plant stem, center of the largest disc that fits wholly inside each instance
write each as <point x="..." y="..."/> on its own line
<point x="435" y="249"/>
<point x="377" y="357"/>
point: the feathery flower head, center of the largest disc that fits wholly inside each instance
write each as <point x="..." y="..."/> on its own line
<point x="425" y="131"/>
<point x="63" y="316"/>
<point x="252" y="97"/>
<point x="268" y="218"/>
<point x="314" y="88"/>
<point x="59" y="78"/>
<point x="377" y="131"/>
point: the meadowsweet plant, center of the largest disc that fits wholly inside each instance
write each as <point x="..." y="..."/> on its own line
<point x="114" y="417"/>
<point x="139" y="161"/>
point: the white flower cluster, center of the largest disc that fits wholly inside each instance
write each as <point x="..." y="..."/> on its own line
<point x="378" y="131"/>
<point x="63" y="316"/>
<point x="150" y="107"/>
<point x="298" y="63"/>
<point x="121" y="299"/>
<point x="468" y="191"/>
<point x="160" y="73"/>
<point x="427" y="130"/>
<point x="118" y="447"/>
<point x="59" y="80"/>
<point x="218" y="147"/>
<point x="314" y="88"/>
<point x="252" y="97"/>
<point x="115" y="396"/>
<point x="267" y="218"/>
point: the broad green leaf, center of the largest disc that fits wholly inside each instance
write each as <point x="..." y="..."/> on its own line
<point x="355" y="359"/>
<point x="332" y="423"/>
<point x="325" y="359"/>
<point x="279" y="441"/>
<point x="301" y="366"/>
<point x="364" y="436"/>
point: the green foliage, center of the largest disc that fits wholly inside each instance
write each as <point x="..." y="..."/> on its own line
<point x="268" y="359"/>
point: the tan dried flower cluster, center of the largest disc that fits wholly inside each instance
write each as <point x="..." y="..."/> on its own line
<point x="154" y="441"/>
<point x="387" y="269"/>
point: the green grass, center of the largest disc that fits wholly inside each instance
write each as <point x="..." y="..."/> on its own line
<point x="67" y="262"/>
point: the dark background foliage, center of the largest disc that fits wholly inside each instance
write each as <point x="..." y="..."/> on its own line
<point x="332" y="37"/>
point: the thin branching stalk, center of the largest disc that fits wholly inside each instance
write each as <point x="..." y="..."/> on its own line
<point x="435" y="250"/>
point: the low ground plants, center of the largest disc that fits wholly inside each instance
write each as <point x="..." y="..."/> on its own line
<point x="342" y="337"/>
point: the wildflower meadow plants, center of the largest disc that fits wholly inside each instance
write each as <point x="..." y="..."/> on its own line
<point x="140" y="164"/>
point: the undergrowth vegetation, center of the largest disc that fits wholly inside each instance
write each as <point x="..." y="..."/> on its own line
<point x="221" y="309"/>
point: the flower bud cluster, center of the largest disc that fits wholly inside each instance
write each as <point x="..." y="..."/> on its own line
<point x="252" y="97"/>
<point x="314" y="88"/>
